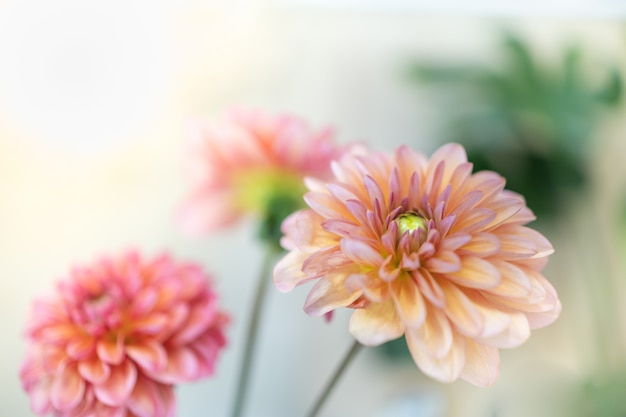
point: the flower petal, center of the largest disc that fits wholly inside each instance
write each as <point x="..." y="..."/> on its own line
<point x="376" y="324"/>
<point x="434" y="336"/>
<point x="429" y="287"/>
<point x="482" y="244"/>
<point x="461" y="311"/>
<point x="288" y="271"/>
<point x="111" y="351"/>
<point x="118" y="387"/>
<point x="80" y="347"/>
<point x="182" y="366"/>
<point x="482" y="364"/>
<point x="408" y="300"/>
<point x="94" y="370"/>
<point x="328" y="294"/>
<point x="443" y="262"/>
<point x="361" y="253"/>
<point x="148" y="355"/>
<point x="148" y="399"/>
<point x="67" y="389"/>
<point x="446" y="368"/>
<point x="476" y="273"/>
<point x="514" y="282"/>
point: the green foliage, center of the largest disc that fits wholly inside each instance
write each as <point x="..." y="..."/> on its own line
<point x="532" y="124"/>
<point x="606" y="396"/>
<point x="279" y="206"/>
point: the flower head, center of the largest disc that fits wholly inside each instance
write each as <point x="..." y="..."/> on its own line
<point x="118" y="335"/>
<point x="426" y="249"/>
<point x="253" y="163"/>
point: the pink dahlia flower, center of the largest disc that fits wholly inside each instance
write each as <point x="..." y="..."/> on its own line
<point x="425" y="249"/>
<point x="250" y="162"/>
<point x="118" y="336"/>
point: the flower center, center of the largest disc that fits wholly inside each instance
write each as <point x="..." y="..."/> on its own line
<point x="409" y="222"/>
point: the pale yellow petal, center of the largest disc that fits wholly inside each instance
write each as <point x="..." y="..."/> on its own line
<point x="446" y="368"/>
<point x="476" y="273"/>
<point x="288" y="271"/>
<point x="376" y="324"/>
<point x="409" y="302"/>
<point x="482" y="364"/>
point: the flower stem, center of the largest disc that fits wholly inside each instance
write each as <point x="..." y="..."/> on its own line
<point x="253" y="326"/>
<point x="356" y="347"/>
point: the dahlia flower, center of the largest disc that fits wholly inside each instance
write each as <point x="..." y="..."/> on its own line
<point x="118" y="335"/>
<point x="252" y="163"/>
<point x="426" y="249"/>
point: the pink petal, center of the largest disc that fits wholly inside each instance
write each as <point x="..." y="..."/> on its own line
<point x="372" y="288"/>
<point x="177" y="315"/>
<point x="430" y="288"/>
<point x="94" y="370"/>
<point x="488" y="182"/>
<point x="443" y="262"/>
<point x="376" y="324"/>
<point x="324" y="204"/>
<point x="200" y="317"/>
<point x="514" y="282"/>
<point x="67" y="389"/>
<point x="435" y="336"/>
<point x="342" y="192"/>
<point x="461" y="311"/>
<point x="515" y="246"/>
<point x="151" y="324"/>
<point x="482" y="364"/>
<point x="59" y="334"/>
<point x="482" y="244"/>
<point x="80" y="347"/>
<point x="288" y="271"/>
<point x="182" y="366"/>
<point x="148" y="355"/>
<point x="505" y="208"/>
<point x="513" y="335"/>
<point x="111" y="351"/>
<point x="476" y="273"/>
<point x="206" y="211"/>
<point x="409" y="303"/>
<point x="40" y="400"/>
<point x="538" y="320"/>
<point x="361" y="253"/>
<point x="475" y="220"/>
<point x="145" y="400"/>
<point x="373" y="190"/>
<point x="452" y="154"/>
<point x="305" y="232"/>
<point x="116" y="390"/>
<point x="324" y="260"/>
<point x="326" y="296"/>
<point x="53" y="359"/>
<point x="389" y="269"/>
<point x="144" y="301"/>
<point x="446" y="368"/>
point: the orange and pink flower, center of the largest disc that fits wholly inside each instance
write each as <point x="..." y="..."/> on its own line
<point x="426" y="249"/>
<point x="240" y="166"/>
<point x="117" y="337"/>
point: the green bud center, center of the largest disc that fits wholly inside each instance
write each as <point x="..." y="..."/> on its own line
<point x="409" y="222"/>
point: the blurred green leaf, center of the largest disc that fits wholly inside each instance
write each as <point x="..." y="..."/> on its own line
<point x="611" y="93"/>
<point x="532" y="123"/>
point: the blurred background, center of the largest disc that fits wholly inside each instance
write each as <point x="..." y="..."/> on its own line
<point x="94" y="98"/>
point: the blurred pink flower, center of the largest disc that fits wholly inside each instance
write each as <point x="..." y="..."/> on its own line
<point x="239" y="166"/>
<point x="425" y="249"/>
<point x="117" y="337"/>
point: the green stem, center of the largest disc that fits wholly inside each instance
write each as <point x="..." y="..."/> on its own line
<point x="253" y="327"/>
<point x="356" y="347"/>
